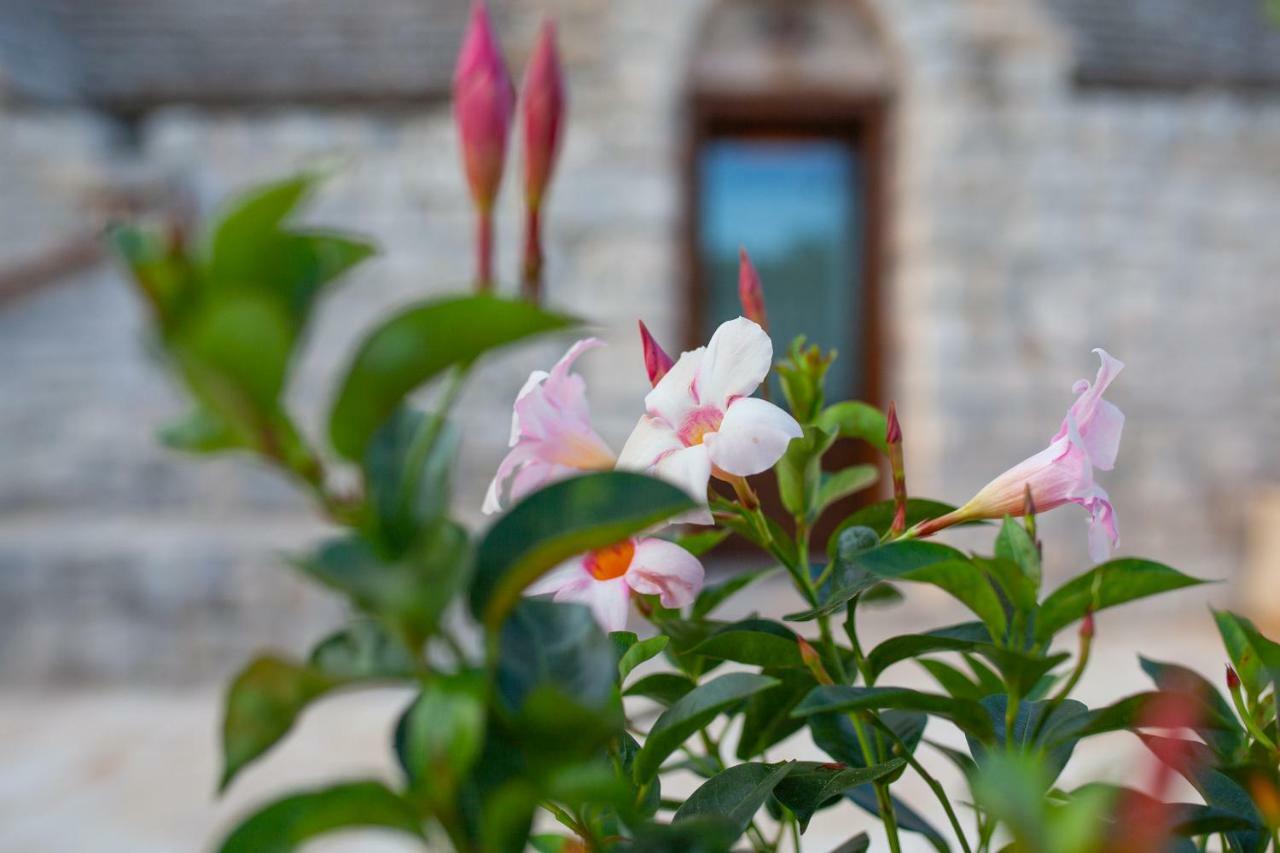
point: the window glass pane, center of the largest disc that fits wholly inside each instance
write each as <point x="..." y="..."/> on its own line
<point x="793" y="204"/>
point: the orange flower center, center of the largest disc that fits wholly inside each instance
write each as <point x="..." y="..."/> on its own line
<point x="605" y="564"/>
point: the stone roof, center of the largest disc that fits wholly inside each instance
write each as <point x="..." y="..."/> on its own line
<point x="137" y="53"/>
<point x="1173" y="43"/>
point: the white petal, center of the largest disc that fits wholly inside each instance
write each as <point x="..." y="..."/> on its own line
<point x="690" y="469"/>
<point x="752" y="437"/>
<point x="674" y="396"/>
<point x="569" y="575"/>
<point x="649" y="442"/>
<point x="665" y="569"/>
<point x="736" y="362"/>
<point x="608" y="601"/>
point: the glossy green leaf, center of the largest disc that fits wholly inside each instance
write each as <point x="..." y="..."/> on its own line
<point x="560" y="521"/>
<point x="662" y="687"/>
<point x="690" y="713"/>
<point x="1266" y="651"/>
<point x="247" y="227"/>
<point x="407" y="471"/>
<point x="1031" y="727"/>
<point x="860" y="843"/>
<point x="757" y="642"/>
<point x="441" y="735"/>
<point x="735" y="794"/>
<point x="640" y="652"/>
<point x="855" y="419"/>
<point x="262" y="704"/>
<point x="1236" y="632"/>
<point x="969" y="716"/>
<point x="842" y="484"/>
<point x="287" y="824"/>
<point x="1106" y="585"/>
<point x="701" y="834"/>
<point x="799" y="471"/>
<point x="1195" y="763"/>
<point x="879" y="516"/>
<point x="1014" y="544"/>
<point x="713" y="595"/>
<point x="702" y="541"/>
<point x="943" y="567"/>
<point x="548" y="643"/>
<point x="1216" y="719"/>
<point x="1021" y="670"/>
<point x="964" y="636"/>
<point x="363" y="650"/>
<point x="419" y="344"/>
<point x="810" y="786"/>
<point x="952" y="680"/>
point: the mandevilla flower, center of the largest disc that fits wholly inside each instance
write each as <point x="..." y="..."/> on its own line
<point x="700" y="418"/>
<point x="551" y="433"/>
<point x="484" y="101"/>
<point x="1063" y="472"/>
<point x="605" y="579"/>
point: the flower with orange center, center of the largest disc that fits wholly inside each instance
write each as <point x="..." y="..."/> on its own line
<point x="606" y="578"/>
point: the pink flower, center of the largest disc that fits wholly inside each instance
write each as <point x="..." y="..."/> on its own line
<point x="751" y="291"/>
<point x="1063" y="472"/>
<point x="656" y="360"/>
<point x="483" y="103"/>
<point x="701" y="418"/>
<point x="551" y="434"/>
<point x="542" y="111"/>
<point x="605" y="579"/>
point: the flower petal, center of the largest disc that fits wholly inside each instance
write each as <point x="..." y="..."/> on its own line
<point x="1104" y="533"/>
<point x="752" y="437"/>
<point x="1098" y="421"/>
<point x="650" y="441"/>
<point x="735" y="364"/>
<point x="534" y="381"/>
<point x="666" y="570"/>
<point x="674" y="396"/>
<point x="608" y="601"/>
<point x="572" y="574"/>
<point x="690" y="469"/>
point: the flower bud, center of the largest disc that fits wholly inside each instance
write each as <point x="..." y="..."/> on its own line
<point x="751" y="292"/>
<point x="1233" y="679"/>
<point x="483" y="105"/>
<point x="542" y="114"/>
<point x="893" y="437"/>
<point x="813" y="661"/>
<point x="893" y="431"/>
<point x="1087" y="626"/>
<point x="656" y="360"/>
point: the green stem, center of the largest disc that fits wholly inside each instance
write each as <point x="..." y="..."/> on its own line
<point x="1250" y="723"/>
<point x="887" y="816"/>
<point x="1082" y="661"/>
<point x="934" y="785"/>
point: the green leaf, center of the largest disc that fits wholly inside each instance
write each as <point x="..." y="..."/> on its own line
<point x="411" y="591"/>
<point x="697" y="708"/>
<point x="363" y="650"/>
<point x="417" y="345"/>
<point x="800" y="471"/>
<point x="640" y="652"/>
<point x="702" y="541"/>
<point x="1195" y="763"/>
<point x="713" y="595"/>
<point x="1021" y="670"/>
<point x="908" y="819"/>
<point x="262" y="704"/>
<point x="1236" y="632"/>
<point x="1265" y="651"/>
<point x="560" y="521"/>
<point x="952" y="680"/>
<point x="736" y="794"/>
<point x="841" y="484"/>
<point x="1015" y="544"/>
<point x="879" y="516"/>
<point x="856" y="551"/>
<point x="860" y="843"/>
<point x="702" y="834"/>
<point x="1056" y="732"/>
<point x="952" y="638"/>
<point x="1106" y="585"/>
<point x="235" y="352"/>
<point x="766" y="717"/>
<point x="249" y="222"/>
<point x="757" y="642"/>
<point x="969" y="716"/>
<point x="940" y="566"/>
<point x="288" y="823"/>
<point x="201" y="431"/>
<point x="855" y="419"/>
<point x="1217" y="723"/>
<point x="811" y="786"/>
<point x="549" y="643"/>
<point x="409" y="486"/>
<point x="441" y="735"/>
<point x="662" y="687"/>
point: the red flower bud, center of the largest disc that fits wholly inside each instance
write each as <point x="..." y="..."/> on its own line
<point x="1086" y="625"/>
<point x="893" y="432"/>
<point x="542" y="114"/>
<point x="483" y="105"/>
<point x="751" y="291"/>
<point x="809" y="655"/>
<point x="1233" y="680"/>
<point x="656" y="361"/>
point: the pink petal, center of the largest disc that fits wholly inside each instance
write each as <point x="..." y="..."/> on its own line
<point x="497" y="494"/>
<point x="752" y="437"/>
<point x="737" y="360"/>
<point x="651" y="440"/>
<point x="1104" y="533"/>
<point x="570" y="575"/>
<point x="533" y="382"/>
<point x="674" y="397"/>
<point x="608" y="601"/>
<point x="1098" y="421"/>
<point x="665" y="569"/>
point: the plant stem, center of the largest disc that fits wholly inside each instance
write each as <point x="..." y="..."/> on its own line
<point x="484" y="250"/>
<point x="934" y="785"/>
<point x="531" y="279"/>
<point x="887" y="817"/>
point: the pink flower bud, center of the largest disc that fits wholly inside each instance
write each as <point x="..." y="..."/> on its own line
<point x="656" y="360"/>
<point x="1086" y="626"/>
<point x="483" y="105"/>
<point x="751" y="292"/>
<point x="893" y="431"/>
<point x="1233" y="680"/>
<point x="542" y="113"/>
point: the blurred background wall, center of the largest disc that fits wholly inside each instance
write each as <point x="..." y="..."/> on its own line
<point x="984" y="190"/>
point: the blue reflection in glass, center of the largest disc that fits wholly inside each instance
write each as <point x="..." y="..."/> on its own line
<point x="793" y="204"/>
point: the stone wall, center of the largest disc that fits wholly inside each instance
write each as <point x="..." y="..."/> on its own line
<point x="1032" y="222"/>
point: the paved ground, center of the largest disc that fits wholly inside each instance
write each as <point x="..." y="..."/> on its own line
<point x="132" y="770"/>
